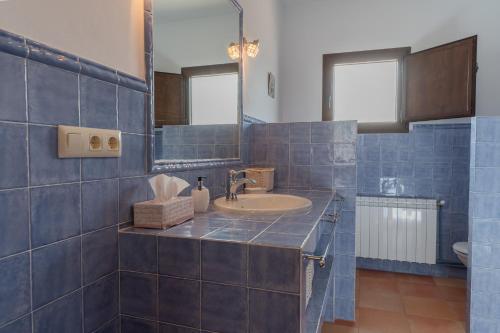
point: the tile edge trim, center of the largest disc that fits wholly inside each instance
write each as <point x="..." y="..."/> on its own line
<point x="20" y="46"/>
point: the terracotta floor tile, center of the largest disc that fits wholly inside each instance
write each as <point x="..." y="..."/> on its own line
<point x="377" y="285"/>
<point x="418" y="289"/>
<point x="404" y="303"/>
<point x="449" y="282"/>
<point x="339" y="327"/>
<point x="345" y="323"/>
<point x="377" y="321"/>
<point x="459" y="308"/>
<point x="327" y="327"/>
<point x="380" y="301"/>
<point x="453" y="294"/>
<point x="415" y="279"/>
<point x="430" y="325"/>
<point x="429" y="307"/>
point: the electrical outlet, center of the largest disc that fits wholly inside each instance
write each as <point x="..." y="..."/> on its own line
<point x="95" y="142"/>
<point x="113" y="143"/>
<point x="88" y="142"/>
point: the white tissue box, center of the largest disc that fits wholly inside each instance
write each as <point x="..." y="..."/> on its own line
<point x="161" y="215"/>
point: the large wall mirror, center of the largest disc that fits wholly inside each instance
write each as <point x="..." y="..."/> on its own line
<point x="196" y="108"/>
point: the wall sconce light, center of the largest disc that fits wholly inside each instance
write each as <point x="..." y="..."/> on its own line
<point x="250" y="48"/>
<point x="233" y="51"/>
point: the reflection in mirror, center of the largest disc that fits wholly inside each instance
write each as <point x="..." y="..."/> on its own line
<point x="196" y="83"/>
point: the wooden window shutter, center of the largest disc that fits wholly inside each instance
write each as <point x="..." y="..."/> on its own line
<point x="441" y="82"/>
<point x="169" y="100"/>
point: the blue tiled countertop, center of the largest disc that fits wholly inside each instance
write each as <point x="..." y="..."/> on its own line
<point x="237" y="254"/>
<point x="286" y="230"/>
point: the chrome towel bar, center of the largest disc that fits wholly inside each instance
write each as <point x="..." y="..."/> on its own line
<point x="321" y="258"/>
<point x="332" y="218"/>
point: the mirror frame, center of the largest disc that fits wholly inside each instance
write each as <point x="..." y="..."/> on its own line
<point x="160" y="167"/>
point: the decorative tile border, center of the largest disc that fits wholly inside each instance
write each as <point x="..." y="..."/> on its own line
<point x="13" y="44"/>
<point x="252" y="120"/>
<point x="26" y="48"/>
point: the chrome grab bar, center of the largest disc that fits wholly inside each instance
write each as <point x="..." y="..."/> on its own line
<point x="335" y="216"/>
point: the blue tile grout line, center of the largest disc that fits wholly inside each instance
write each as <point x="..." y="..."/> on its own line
<point x="484" y="214"/>
<point x="130" y="192"/>
<point x="429" y="161"/>
<point x="28" y="186"/>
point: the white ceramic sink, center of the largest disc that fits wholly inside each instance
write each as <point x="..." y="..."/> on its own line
<point x="264" y="204"/>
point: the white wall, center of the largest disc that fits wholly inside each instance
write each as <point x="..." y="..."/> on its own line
<point x="111" y="32"/>
<point x="313" y="28"/>
<point x="261" y="21"/>
<point x="198" y="42"/>
<point x="107" y="31"/>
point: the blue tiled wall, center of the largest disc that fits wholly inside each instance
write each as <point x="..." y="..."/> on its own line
<point x="188" y="142"/>
<point x="59" y="221"/>
<point x="431" y="161"/>
<point x="318" y="155"/>
<point x="59" y="217"/>
<point x="58" y="227"/>
<point x="484" y="231"/>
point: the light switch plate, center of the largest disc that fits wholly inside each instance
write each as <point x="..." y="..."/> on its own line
<point x="88" y="142"/>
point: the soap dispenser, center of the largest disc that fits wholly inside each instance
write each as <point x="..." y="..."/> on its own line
<point x="201" y="197"/>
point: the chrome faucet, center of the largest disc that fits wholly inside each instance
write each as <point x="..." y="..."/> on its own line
<point x="233" y="183"/>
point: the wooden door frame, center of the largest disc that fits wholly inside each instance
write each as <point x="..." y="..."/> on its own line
<point x="182" y="97"/>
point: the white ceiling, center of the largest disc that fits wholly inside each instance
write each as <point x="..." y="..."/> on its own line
<point x="174" y="10"/>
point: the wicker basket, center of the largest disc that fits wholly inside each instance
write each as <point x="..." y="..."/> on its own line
<point x="263" y="176"/>
<point x="161" y="215"/>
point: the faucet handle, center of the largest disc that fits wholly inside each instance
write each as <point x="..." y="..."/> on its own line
<point x="234" y="173"/>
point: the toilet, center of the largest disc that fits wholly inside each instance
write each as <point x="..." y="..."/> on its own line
<point x="461" y="249"/>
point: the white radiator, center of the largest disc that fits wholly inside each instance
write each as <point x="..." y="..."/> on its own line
<point x="396" y="229"/>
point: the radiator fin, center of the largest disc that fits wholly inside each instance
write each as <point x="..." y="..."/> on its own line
<point x="402" y="229"/>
